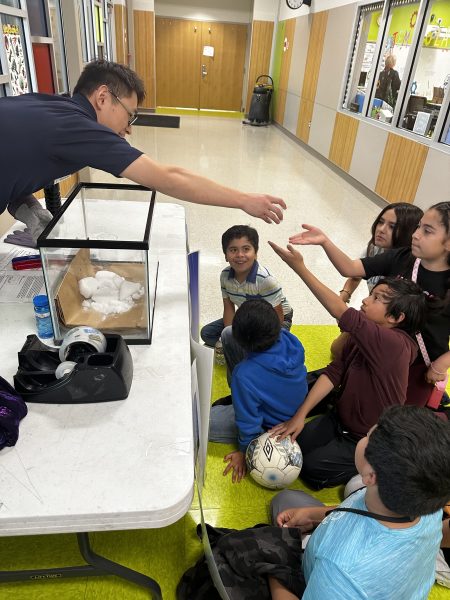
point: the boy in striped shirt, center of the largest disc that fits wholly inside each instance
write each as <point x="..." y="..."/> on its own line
<point x="245" y="279"/>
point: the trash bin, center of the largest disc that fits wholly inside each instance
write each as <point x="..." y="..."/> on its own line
<point x="259" y="113"/>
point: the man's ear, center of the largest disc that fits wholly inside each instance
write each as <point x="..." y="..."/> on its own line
<point x="395" y="321"/>
<point x="99" y="96"/>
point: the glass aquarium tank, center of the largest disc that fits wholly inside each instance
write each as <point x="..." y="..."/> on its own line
<point x="99" y="266"/>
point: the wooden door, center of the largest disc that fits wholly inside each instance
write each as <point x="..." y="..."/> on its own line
<point x="178" y="50"/>
<point x="185" y="77"/>
<point x="222" y="74"/>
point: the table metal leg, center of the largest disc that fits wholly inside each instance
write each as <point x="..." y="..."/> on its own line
<point x="113" y="568"/>
<point x="97" y="566"/>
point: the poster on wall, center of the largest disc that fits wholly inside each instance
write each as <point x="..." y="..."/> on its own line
<point x="16" y="60"/>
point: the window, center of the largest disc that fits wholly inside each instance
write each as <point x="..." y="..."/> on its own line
<point x="12" y="3"/>
<point x="446" y="133"/>
<point x="395" y="48"/>
<point x="399" y="70"/>
<point x="16" y="54"/>
<point x="363" y="55"/>
<point x="37" y="18"/>
<point x="431" y="75"/>
<point x="59" y="48"/>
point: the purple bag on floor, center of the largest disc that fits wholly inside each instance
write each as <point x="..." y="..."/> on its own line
<point x="12" y="410"/>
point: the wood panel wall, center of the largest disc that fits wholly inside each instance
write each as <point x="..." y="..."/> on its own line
<point x="121" y="30"/>
<point x="401" y="169"/>
<point x="144" y="52"/>
<point x="280" y="105"/>
<point x="343" y="140"/>
<point x="261" y="48"/>
<point x="312" y="68"/>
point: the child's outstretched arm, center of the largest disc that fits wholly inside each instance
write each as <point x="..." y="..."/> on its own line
<point x="316" y="237"/>
<point x="331" y="301"/>
<point x="294" y="426"/>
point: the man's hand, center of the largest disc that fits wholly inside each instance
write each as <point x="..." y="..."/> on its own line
<point x="292" y="427"/>
<point x="236" y="463"/>
<point x="303" y="518"/>
<point x="290" y="256"/>
<point x="312" y="236"/>
<point x="265" y="207"/>
<point x="29" y="211"/>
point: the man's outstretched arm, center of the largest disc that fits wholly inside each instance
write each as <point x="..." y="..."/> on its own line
<point x="185" y="185"/>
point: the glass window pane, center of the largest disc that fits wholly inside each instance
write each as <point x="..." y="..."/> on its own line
<point x="82" y="23"/>
<point x="58" y="45"/>
<point x="16" y="54"/>
<point x="37" y="18"/>
<point x="13" y="3"/>
<point x="432" y="74"/>
<point x="446" y="133"/>
<point x="362" y="56"/>
<point x="396" y="46"/>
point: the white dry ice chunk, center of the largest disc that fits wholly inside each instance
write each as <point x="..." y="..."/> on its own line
<point x="128" y="288"/>
<point x="105" y="275"/>
<point x="111" y="307"/>
<point x="138" y="294"/>
<point x="109" y="293"/>
<point x="117" y="280"/>
<point x="88" y="286"/>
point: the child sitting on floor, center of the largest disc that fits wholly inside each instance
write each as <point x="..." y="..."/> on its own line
<point x="380" y="543"/>
<point x="371" y="374"/>
<point x="267" y="387"/>
<point x="243" y="279"/>
<point x="427" y="261"/>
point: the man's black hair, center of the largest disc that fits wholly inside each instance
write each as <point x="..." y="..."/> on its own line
<point x="120" y="79"/>
<point x="409" y="451"/>
<point x="405" y="296"/>
<point x="256" y="325"/>
<point x="240" y="231"/>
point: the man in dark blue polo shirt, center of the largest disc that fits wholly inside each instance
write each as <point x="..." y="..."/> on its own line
<point x="47" y="137"/>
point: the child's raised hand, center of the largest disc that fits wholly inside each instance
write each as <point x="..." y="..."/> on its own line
<point x="236" y="463"/>
<point x="312" y="235"/>
<point x="290" y="256"/>
<point x="293" y="427"/>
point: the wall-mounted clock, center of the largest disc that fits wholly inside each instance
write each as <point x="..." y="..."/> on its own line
<point x="297" y="3"/>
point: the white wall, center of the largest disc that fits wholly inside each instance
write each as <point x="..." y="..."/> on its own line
<point x="265" y="10"/>
<point x="316" y="6"/>
<point x="232" y="11"/>
<point x="148" y="5"/>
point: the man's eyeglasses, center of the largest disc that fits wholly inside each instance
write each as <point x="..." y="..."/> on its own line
<point x="132" y="115"/>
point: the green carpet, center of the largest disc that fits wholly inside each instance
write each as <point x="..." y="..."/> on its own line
<point x="165" y="553"/>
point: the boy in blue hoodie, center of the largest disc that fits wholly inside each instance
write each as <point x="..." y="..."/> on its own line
<point x="269" y="385"/>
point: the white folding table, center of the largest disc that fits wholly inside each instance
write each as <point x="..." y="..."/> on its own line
<point x="114" y="465"/>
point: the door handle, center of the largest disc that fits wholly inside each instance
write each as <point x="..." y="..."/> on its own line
<point x="204" y="71"/>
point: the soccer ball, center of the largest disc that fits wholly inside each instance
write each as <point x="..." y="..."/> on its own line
<point x="273" y="463"/>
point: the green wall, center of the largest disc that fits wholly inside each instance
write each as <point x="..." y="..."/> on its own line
<point x="276" y="64"/>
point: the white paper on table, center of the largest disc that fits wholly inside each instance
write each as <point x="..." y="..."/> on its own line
<point x="19" y="286"/>
<point x="16" y="286"/>
<point x="208" y="50"/>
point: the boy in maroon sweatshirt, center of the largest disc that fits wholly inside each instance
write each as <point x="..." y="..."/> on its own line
<point x="371" y="374"/>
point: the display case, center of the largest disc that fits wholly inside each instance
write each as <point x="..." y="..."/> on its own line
<point x="100" y="269"/>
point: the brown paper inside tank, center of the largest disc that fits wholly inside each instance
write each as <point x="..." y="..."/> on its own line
<point x="68" y="299"/>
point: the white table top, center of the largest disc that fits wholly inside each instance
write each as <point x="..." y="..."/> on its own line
<point x="112" y="465"/>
